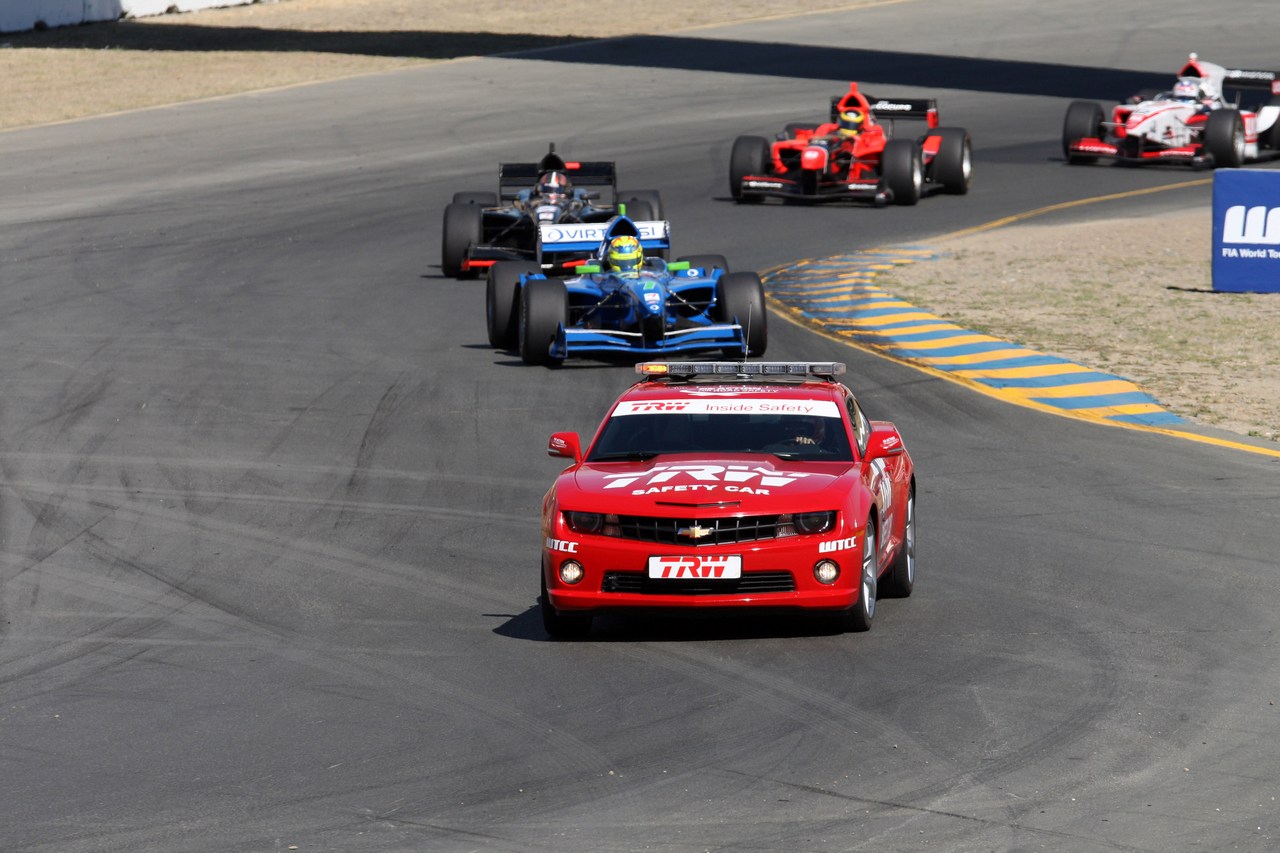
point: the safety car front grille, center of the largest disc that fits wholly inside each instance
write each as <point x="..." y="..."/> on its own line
<point x="688" y="531"/>
<point x="750" y="583"/>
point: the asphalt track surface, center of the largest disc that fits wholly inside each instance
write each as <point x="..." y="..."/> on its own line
<point x="269" y="503"/>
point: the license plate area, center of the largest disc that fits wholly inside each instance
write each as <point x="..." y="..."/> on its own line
<point x="696" y="567"/>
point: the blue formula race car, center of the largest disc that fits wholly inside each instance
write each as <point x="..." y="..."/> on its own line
<point x="625" y="300"/>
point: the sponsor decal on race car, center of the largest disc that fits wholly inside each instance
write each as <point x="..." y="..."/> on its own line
<point x="813" y="408"/>
<point x="743" y="479"/>
<point x="764" y="185"/>
<point x="562" y="546"/>
<point x="863" y="187"/>
<point x="846" y="544"/>
<point x="695" y="566"/>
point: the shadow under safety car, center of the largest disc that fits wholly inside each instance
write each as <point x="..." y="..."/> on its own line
<point x="739" y="486"/>
<point x="856" y="155"/>
<point x="627" y="300"/>
<point x="1192" y="123"/>
<point x="482" y="228"/>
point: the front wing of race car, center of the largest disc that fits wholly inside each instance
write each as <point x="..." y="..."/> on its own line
<point x="808" y="189"/>
<point x="578" y="341"/>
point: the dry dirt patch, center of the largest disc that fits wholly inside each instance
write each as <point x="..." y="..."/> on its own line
<point x="1130" y="298"/>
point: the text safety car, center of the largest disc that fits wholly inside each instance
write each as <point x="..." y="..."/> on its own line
<point x="1192" y="123"/>
<point x="481" y="228"/>
<point x="742" y="486"/>
<point x="857" y="155"/>
<point x="626" y="300"/>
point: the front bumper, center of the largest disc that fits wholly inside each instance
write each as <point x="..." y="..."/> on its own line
<point x="776" y="575"/>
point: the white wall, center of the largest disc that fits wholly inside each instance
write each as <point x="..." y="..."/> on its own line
<point x="21" y="15"/>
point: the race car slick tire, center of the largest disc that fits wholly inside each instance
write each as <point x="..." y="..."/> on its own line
<point x="706" y="262"/>
<point x="903" y="170"/>
<point x="652" y="197"/>
<point x="544" y="305"/>
<point x="502" y="302"/>
<point x="1084" y="119"/>
<point x="639" y="210"/>
<point x="741" y="295"/>
<point x="462" y="225"/>
<point x="901" y="577"/>
<point x="484" y="199"/>
<point x="1224" y="138"/>
<point x="859" y="617"/>
<point x="750" y="156"/>
<point x="561" y="625"/>
<point x="952" y="166"/>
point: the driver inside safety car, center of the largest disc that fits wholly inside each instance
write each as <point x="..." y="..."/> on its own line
<point x="624" y="255"/>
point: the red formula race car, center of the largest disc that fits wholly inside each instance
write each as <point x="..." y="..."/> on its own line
<point x="855" y="155"/>
<point x="756" y="486"/>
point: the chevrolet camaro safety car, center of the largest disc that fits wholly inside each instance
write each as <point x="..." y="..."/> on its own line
<point x="755" y="486"/>
<point x="856" y="155"/>
<point x="625" y="300"/>
<point x="1192" y="123"/>
<point x="482" y="228"/>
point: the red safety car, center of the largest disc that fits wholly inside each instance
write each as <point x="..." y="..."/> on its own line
<point x="759" y="486"/>
<point x="855" y="155"/>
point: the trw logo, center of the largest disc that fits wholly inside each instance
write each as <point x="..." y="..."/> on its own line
<point x="695" y="567"/>
<point x="707" y="476"/>
<point x="1258" y="225"/>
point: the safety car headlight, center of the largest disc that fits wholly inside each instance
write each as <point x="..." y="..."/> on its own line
<point x="814" y="522"/>
<point x="571" y="571"/>
<point x="826" y="571"/>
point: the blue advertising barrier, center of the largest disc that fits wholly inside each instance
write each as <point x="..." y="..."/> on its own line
<point x="1246" y="231"/>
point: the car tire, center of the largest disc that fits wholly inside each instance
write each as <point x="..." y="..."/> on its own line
<point x="544" y="306"/>
<point x="1083" y="120"/>
<point x="901" y="577"/>
<point x="903" y="170"/>
<point x="952" y="166"/>
<point x="750" y="156"/>
<point x="706" y="262"/>
<point x="502" y="302"/>
<point x="741" y="295"/>
<point x="559" y="624"/>
<point x="484" y="199"/>
<point x="859" y="617"/>
<point x="462" y="226"/>
<point x="1224" y="138"/>
<point x="651" y="197"/>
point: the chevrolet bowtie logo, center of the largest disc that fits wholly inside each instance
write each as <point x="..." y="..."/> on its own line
<point x="695" y="532"/>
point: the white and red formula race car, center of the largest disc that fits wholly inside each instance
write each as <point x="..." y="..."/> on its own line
<point x="1192" y="123"/>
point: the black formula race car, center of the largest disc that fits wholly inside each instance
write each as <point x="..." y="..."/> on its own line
<point x="482" y="228"/>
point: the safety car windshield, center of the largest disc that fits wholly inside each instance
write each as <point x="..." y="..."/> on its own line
<point x="638" y="436"/>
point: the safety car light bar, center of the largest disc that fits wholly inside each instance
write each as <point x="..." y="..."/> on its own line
<point x="740" y="368"/>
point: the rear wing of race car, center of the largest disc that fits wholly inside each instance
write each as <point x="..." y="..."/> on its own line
<point x="587" y="236"/>
<point x="513" y="177"/>
<point x="891" y="108"/>
<point x="1242" y="78"/>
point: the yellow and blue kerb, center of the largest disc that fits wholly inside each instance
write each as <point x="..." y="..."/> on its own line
<point x="839" y="295"/>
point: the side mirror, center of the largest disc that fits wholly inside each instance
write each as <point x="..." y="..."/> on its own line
<point x="566" y="444"/>
<point x="884" y="442"/>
